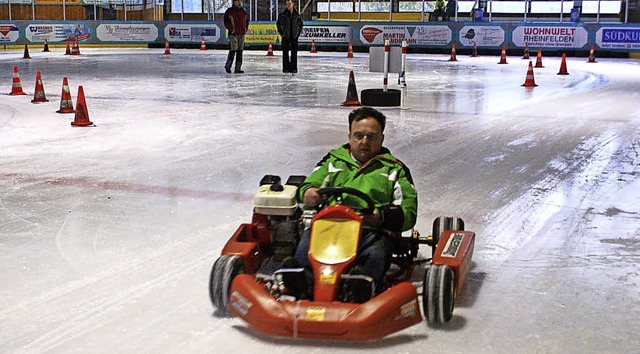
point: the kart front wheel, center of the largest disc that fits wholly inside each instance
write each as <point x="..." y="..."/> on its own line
<point x="443" y="223"/>
<point x="438" y="294"/>
<point x="225" y="268"/>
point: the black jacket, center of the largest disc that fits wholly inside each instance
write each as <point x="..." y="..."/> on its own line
<point x="289" y="24"/>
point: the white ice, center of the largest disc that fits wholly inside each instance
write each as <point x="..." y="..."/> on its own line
<point x="108" y="233"/>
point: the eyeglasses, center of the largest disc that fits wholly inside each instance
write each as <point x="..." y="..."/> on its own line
<point x="370" y="136"/>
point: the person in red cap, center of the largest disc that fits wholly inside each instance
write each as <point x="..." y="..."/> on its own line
<point x="236" y="22"/>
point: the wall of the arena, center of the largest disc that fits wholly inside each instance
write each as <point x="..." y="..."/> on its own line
<point x="421" y="37"/>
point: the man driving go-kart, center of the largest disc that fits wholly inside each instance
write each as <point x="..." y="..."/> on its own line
<point x="341" y="267"/>
<point x="366" y="166"/>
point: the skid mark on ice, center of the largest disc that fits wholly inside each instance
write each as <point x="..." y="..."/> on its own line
<point x="86" y="182"/>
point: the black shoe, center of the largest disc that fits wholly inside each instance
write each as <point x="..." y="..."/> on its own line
<point x="228" y="70"/>
<point x="285" y="71"/>
<point x="357" y="286"/>
<point x="238" y="71"/>
<point x="294" y="71"/>
<point x="294" y="279"/>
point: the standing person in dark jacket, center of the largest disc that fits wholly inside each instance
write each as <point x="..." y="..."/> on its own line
<point x="237" y="23"/>
<point x="289" y="26"/>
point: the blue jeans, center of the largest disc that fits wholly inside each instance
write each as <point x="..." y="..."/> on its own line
<point x="374" y="254"/>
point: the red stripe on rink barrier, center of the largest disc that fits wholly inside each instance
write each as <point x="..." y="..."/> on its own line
<point x="85" y="182"/>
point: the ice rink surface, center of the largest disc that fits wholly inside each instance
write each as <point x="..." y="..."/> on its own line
<point x="108" y="233"/>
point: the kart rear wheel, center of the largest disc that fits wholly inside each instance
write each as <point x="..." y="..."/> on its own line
<point x="225" y="268"/>
<point x="443" y="223"/>
<point x="438" y="294"/>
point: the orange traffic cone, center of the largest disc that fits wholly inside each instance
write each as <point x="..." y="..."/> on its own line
<point x="203" y="45"/>
<point x="167" y="51"/>
<point x="270" y="49"/>
<point x="529" y="81"/>
<point x="474" y="52"/>
<point x="46" y="46"/>
<point x="539" y="60"/>
<point x="39" y="95"/>
<point x="68" y="50"/>
<point x="350" y="51"/>
<point x="453" y="53"/>
<point x="352" y="92"/>
<point x="82" y="115"/>
<point x="66" y="104"/>
<point x="26" y="52"/>
<point x="75" y="49"/>
<point x="313" y="47"/>
<point x="563" y="65"/>
<point x="503" y="56"/>
<point x="526" y="51"/>
<point x="592" y="56"/>
<point x="16" y="85"/>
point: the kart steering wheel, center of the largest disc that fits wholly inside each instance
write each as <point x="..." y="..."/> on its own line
<point x="339" y="191"/>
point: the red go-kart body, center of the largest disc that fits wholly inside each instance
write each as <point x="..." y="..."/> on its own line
<point x="237" y="286"/>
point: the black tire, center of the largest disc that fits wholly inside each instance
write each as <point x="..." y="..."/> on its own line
<point x="377" y="97"/>
<point x="438" y="294"/>
<point x="443" y="223"/>
<point x="225" y="268"/>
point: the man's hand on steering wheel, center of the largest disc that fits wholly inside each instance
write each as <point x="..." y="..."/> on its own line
<point x="370" y="215"/>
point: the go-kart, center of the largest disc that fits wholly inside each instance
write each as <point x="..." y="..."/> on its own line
<point x="246" y="279"/>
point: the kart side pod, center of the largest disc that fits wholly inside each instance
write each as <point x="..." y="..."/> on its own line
<point x="455" y="250"/>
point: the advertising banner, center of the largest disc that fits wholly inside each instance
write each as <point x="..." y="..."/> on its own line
<point x="482" y="36"/>
<point x="120" y="32"/>
<point x="9" y="33"/>
<point x="192" y="33"/>
<point x="550" y="36"/>
<point x="262" y="33"/>
<point x="618" y="38"/>
<point x="56" y="32"/>
<point x="326" y="34"/>
<point x="414" y="35"/>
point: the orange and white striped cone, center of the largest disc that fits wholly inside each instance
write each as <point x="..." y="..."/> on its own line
<point x="66" y="103"/>
<point x="39" y="95"/>
<point x="592" y="55"/>
<point x="563" y="65"/>
<point x="530" y="80"/>
<point x="350" y="51"/>
<point x="167" y="51"/>
<point x="75" y="48"/>
<point x="313" y="47"/>
<point x="352" y="92"/>
<point x="82" y="115"/>
<point x="26" y="52"/>
<point x="16" y="85"/>
<point x="270" y="49"/>
<point x="46" y="46"/>
<point x="503" y="56"/>
<point x="539" y="60"/>
<point x="68" y="50"/>
<point x="526" y="51"/>
<point x="474" y="51"/>
<point x="203" y="45"/>
<point x="453" y="53"/>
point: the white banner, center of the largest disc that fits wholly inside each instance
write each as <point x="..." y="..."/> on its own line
<point x="191" y="33"/>
<point x="326" y="34"/>
<point x="56" y="32"/>
<point x="127" y="32"/>
<point x="550" y="36"/>
<point x="618" y="38"/>
<point x="482" y="36"/>
<point x="414" y="35"/>
<point x="9" y="33"/>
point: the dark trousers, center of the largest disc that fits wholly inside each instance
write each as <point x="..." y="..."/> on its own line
<point x="289" y="64"/>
